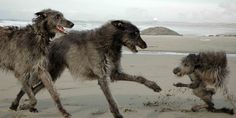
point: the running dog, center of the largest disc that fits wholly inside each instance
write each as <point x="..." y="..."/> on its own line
<point x="23" y="51"/>
<point x="95" y="55"/>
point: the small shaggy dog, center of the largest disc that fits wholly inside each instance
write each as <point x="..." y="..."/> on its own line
<point x="23" y="51"/>
<point x="95" y="55"/>
<point x="207" y="71"/>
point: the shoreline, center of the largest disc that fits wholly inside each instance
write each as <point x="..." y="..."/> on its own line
<point x="167" y="53"/>
<point x="184" y="28"/>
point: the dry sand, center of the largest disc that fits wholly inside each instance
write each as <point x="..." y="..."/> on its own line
<point x="84" y="99"/>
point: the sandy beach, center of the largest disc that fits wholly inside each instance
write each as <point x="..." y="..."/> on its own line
<point x="84" y="99"/>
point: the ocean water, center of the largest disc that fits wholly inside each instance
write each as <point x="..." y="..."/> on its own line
<point x="164" y="53"/>
<point x="198" y="29"/>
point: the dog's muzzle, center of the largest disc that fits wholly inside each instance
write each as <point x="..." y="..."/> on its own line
<point x="70" y="24"/>
<point x="142" y="44"/>
<point x="176" y="70"/>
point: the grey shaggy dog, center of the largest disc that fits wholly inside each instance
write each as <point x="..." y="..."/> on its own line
<point x="207" y="71"/>
<point x="95" y="55"/>
<point x="23" y="51"/>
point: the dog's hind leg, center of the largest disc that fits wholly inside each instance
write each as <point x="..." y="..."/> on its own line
<point x="106" y="90"/>
<point x="35" y="89"/>
<point x="27" y="89"/>
<point x="210" y="105"/>
<point x="117" y="76"/>
<point x="15" y="103"/>
<point x="38" y="87"/>
<point x="206" y="96"/>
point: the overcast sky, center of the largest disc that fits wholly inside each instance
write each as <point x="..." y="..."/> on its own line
<point x="134" y="10"/>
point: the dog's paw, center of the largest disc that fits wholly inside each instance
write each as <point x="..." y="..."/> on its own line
<point x="154" y="86"/>
<point x="14" y="106"/>
<point x="227" y="110"/>
<point x="118" y="116"/>
<point x="195" y="109"/>
<point x="65" y="113"/>
<point x="178" y="85"/>
<point x="34" y="110"/>
<point x="150" y="84"/>
<point x="24" y="107"/>
<point x="27" y="107"/>
<point x="231" y="111"/>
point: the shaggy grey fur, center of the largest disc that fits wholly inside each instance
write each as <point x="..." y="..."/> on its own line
<point x="207" y="71"/>
<point x="23" y="51"/>
<point x="95" y="55"/>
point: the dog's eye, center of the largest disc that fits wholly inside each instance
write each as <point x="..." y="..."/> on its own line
<point x="186" y="65"/>
<point x="134" y="34"/>
<point x="58" y="16"/>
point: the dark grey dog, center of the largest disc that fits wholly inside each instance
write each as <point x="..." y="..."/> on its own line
<point x="207" y="71"/>
<point x="23" y="51"/>
<point x="95" y="55"/>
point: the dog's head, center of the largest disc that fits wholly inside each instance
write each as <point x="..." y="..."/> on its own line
<point x="187" y="66"/>
<point x="53" y="21"/>
<point x="130" y="35"/>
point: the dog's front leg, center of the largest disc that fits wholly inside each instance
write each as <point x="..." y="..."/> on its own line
<point x="192" y="85"/>
<point x="179" y="84"/>
<point x="46" y="79"/>
<point x="102" y="82"/>
<point x="117" y="76"/>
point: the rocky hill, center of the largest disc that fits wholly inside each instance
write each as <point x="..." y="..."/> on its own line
<point x="159" y="31"/>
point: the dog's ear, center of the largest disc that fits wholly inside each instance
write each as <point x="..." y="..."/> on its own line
<point x="198" y="63"/>
<point x="41" y="14"/>
<point x="119" y="24"/>
<point x="192" y="56"/>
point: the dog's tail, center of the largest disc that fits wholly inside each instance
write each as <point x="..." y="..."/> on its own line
<point x="230" y="97"/>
